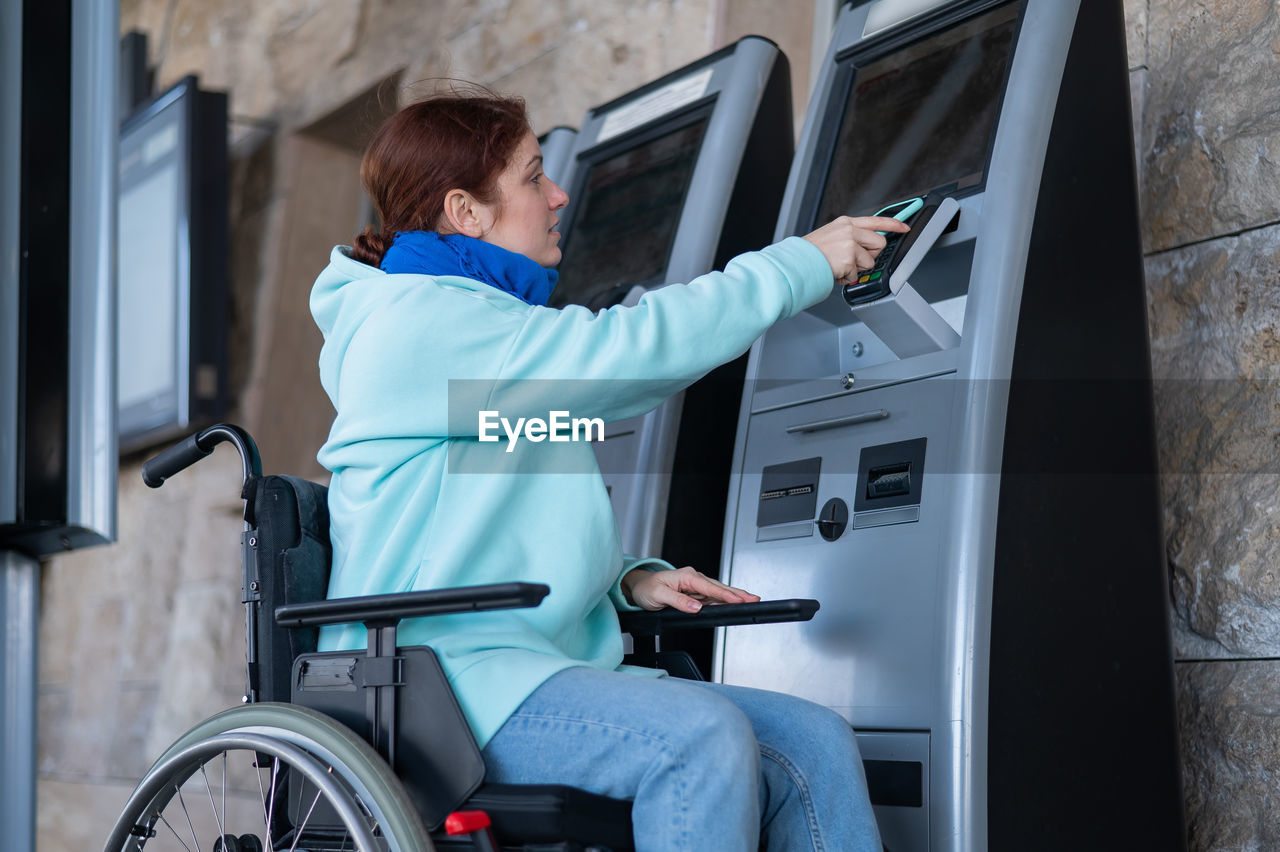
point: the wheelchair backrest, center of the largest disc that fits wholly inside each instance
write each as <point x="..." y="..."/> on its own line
<point x="435" y="755"/>
<point x="292" y="558"/>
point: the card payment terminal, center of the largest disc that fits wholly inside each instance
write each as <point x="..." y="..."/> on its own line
<point x="874" y="283"/>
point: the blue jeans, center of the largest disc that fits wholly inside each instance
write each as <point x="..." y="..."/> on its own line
<point x="710" y="767"/>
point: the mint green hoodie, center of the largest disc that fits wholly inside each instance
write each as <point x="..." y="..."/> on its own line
<point x="417" y="501"/>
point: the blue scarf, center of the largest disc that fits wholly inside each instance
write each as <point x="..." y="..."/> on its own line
<point x="429" y="253"/>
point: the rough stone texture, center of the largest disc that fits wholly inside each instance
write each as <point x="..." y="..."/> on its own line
<point x="1135" y="23"/>
<point x="1216" y="357"/>
<point x="151" y="17"/>
<point x="1230" y="737"/>
<point x="283" y="396"/>
<point x="1138" y="100"/>
<point x="75" y="816"/>
<point x="254" y="212"/>
<point x="291" y="61"/>
<point x="138" y="640"/>
<point x="1211" y="129"/>
<point x="1213" y="309"/>
<point x="789" y="25"/>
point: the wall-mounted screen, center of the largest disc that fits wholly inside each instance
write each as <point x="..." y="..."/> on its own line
<point x="920" y="118"/>
<point x="171" y="262"/>
<point x="625" y="219"/>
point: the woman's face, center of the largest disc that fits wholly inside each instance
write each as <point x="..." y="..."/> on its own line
<point x="525" y="219"/>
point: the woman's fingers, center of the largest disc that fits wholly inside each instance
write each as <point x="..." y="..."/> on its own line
<point x="702" y="588"/>
<point x="879" y="223"/>
<point x="851" y="245"/>
<point x="684" y="589"/>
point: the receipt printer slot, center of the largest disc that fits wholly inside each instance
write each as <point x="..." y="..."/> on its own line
<point x="890" y="480"/>
<point x="890" y="476"/>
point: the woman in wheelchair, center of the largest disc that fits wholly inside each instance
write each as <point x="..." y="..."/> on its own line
<point x="439" y="321"/>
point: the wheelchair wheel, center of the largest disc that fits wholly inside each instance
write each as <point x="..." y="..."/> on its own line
<point x="269" y="777"/>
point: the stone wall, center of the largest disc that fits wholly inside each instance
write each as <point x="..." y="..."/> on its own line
<point x="143" y="638"/>
<point x="1209" y="76"/>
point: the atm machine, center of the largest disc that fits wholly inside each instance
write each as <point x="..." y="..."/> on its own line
<point x="666" y="183"/>
<point x="955" y="454"/>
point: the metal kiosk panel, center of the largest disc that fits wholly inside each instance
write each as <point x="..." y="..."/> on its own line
<point x="985" y="536"/>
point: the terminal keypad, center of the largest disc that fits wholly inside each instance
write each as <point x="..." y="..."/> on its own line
<point x="873" y="284"/>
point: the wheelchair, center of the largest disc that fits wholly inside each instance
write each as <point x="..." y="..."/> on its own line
<point x="361" y="750"/>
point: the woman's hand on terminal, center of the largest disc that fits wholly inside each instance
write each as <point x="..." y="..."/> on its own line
<point x="684" y="589"/>
<point x="851" y="245"/>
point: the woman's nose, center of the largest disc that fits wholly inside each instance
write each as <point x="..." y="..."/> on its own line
<point x="558" y="197"/>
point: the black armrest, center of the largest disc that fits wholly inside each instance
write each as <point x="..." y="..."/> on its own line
<point x="646" y="623"/>
<point x="390" y="609"/>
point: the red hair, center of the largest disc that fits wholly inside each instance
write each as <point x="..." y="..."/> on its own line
<point x="449" y="141"/>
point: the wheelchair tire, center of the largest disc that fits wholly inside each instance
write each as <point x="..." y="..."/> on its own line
<point x="371" y="805"/>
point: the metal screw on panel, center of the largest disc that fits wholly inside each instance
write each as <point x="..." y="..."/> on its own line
<point x="857" y="349"/>
<point x="846" y="381"/>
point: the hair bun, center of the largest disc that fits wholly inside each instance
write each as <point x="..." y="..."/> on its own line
<point x="370" y="246"/>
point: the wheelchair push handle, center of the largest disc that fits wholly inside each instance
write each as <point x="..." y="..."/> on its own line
<point x="193" y="448"/>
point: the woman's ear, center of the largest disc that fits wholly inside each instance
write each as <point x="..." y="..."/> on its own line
<point x="465" y="214"/>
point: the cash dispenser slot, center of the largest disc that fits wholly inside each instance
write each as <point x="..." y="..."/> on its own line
<point x="788" y="500"/>
<point x="890" y="480"/>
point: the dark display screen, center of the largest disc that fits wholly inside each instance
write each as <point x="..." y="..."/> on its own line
<point x="626" y="219"/>
<point x="921" y="118"/>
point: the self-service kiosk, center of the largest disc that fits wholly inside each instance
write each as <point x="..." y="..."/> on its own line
<point x="666" y="183"/>
<point x="557" y="153"/>
<point x="955" y="452"/>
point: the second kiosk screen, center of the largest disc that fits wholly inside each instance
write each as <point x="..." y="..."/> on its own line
<point x="626" y="219"/>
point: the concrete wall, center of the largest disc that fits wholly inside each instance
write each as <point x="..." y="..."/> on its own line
<point x="142" y="639"/>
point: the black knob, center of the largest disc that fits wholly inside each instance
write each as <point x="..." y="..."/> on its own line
<point x="833" y="520"/>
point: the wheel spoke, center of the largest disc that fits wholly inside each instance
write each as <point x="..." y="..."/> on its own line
<point x="212" y="805"/>
<point x="187" y="814"/>
<point x="297" y="831"/>
<point x="266" y="815"/>
<point x="271" y="808"/>
<point x="300" y="750"/>
<point x="176" y="836"/>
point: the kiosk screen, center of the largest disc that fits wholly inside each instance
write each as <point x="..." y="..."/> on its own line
<point x="920" y="118"/>
<point x="626" y="219"/>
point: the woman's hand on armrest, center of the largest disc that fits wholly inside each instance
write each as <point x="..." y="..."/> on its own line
<point x="684" y="589"/>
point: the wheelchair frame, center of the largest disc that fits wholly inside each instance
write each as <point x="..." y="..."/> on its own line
<point x="358" y="798"/>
